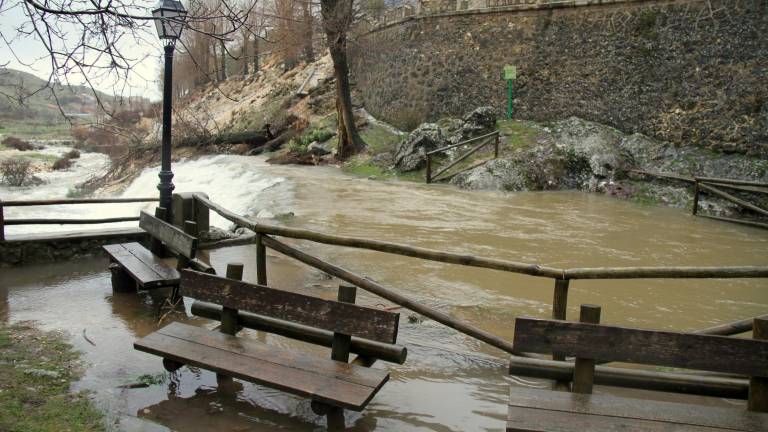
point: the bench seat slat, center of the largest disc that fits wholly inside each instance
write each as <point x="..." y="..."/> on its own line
<point x="260" y="351"/>
<point x="148" y="271"/>
<point x="324" y="380"/>
<point x="661" y="348"/>
<point x="350" y="319"/>
<point x="541" y="420"/>
<point x="565" y="404"/>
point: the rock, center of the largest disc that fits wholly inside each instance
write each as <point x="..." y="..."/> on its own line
<point x="481" y="121"/>
<point x="599" y="144"/>
<point x="317" y="149"/>
<point x="411" y="152"/>
<point x="497" y="174"/>
<point x="42" y="373"/>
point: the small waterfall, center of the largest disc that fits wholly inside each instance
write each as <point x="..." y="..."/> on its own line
<point x="235" y="182"/>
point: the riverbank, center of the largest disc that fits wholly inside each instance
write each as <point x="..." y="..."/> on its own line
<point x="38" y="370"/>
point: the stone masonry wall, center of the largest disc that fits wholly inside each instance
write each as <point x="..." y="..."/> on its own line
<point x="686" y="71"/>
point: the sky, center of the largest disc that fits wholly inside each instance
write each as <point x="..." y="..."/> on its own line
<point x="31" y="55"/>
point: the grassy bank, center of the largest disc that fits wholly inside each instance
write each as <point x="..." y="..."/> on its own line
<point x="36" y="373"/>
<point x="34" y="130"/>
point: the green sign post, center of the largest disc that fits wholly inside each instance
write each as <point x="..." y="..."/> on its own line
<point x="510" y="74"/>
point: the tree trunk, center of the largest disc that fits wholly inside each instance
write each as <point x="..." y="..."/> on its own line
<point x="309" y="52"/>
<point x="223" y="68"/>
<point x="244" y="53"/>
<point x="255" y="53"/>
<point x="337" y="16"/>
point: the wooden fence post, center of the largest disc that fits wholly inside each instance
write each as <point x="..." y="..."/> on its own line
<point x="2" y="222"/>
<point x="429" y="168"/>
<point x="229" y="323"/>
<point x="695" y="196"/>
<point x="496" y="148"/>
<point x="758" y="386"/>
<point x="202" y="214"/>
<point x="261" y="260"/>
<point x="584" y="369"/>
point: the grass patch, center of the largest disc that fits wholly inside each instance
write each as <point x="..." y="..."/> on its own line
<point x="362" y="166"/>
<point x="519" y="134"/>
<point x="379" y="139"/>
<point x="33" y="130"/>
<point x="38" y="369"/>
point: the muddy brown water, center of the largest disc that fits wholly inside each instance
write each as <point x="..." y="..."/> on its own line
<point x="450" y="381"/>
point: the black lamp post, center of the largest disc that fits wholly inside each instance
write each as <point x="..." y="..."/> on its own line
<point x="169" y="19"/>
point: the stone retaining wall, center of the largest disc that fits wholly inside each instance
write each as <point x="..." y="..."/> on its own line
<point x="685" y="71"/>
<point x="34" y="249"/>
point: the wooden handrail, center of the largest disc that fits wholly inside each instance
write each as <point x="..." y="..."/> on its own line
<point x="429" y="177"/>
<point x="26" y="203"/>
<point x="469" y="141"/>
<point x="47" y="202"/>
<point x="731" y="182"/>
<point x="490" y="263"/>
<point x="69" y="221"/>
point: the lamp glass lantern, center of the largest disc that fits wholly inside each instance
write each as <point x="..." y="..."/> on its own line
<point x="169" y="19"/>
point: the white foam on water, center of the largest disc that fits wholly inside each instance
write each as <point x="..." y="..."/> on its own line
<point x="232" y="181"/>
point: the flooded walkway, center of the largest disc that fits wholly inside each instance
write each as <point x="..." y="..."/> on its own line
<point x="449" y="382"/>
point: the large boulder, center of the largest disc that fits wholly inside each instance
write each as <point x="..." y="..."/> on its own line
<point x="599" y="144"/>
<point x="411" y="154"/>
<point x="481" y="121"/>
<point x="497" y="174"/>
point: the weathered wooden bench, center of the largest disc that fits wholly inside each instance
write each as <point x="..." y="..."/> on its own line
<point x="134" y="266"/>
<point x="579" y="410"/>
<point x="332" y="384"/>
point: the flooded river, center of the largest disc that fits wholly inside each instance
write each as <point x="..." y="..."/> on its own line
<point x="449" y="382"/>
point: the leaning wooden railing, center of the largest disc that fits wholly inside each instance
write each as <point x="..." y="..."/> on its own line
<point x="715" y="186"/>
<point x="711" y="385"/>
<point x="55" y="221"/>
<point x="484" y="140"/>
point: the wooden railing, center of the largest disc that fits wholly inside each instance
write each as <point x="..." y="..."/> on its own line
<point x="484" y="140"/>
<point x="55" y="221"/>
<point x="715" y="187"/>
<point x="698" y="384"/>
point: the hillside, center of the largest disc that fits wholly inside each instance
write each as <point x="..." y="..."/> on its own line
<point x="24" y="96"/>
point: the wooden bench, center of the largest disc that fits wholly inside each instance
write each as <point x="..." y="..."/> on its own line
<point x="579" y="410"/>
<point x="133" y="266"/>
<point x="332" y="384"/>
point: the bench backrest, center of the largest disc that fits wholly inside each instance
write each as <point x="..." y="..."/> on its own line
<point x="173" y="237"/>
<point x="650" y="347"/>
<point x="339" y="317"/>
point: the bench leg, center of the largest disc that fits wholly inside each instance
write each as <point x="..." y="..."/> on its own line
<point x="121" y="280"/>
<point x="336" y="419"/>
<point x="171" y="365"/>
<point x="333" y="414"/>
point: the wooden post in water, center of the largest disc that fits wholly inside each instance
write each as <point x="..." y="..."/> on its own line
<point x="2" y="222"/>
<point x="560" y="304"/>
<point x="340" y="352"/>
<point x="584" y="369"/>
<point x="261" y="260"/>
<point x="229" y="323"/>
<point x="429" y="168"/>
<point x="156" y="246"/>
<point x="695" y="196"/>
<point x="758" y="386"/>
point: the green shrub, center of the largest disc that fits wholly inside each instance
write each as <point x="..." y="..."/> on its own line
<point x="299" y="145"/>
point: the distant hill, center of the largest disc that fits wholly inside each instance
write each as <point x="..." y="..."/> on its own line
<point x="23" y="96"/>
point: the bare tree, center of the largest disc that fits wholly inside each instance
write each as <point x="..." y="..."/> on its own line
<point x="337" y="18"/>
<point x="92" y="39"/>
